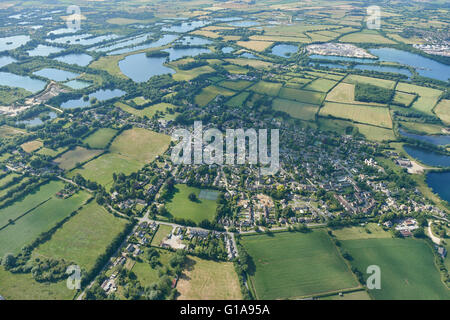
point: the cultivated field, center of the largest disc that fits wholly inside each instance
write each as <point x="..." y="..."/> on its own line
<point x="32" y="146"/>
<point x="442" y="110"/>
<point x="293" y="265"/>
<point x="72" y="158"/>
<point x="428" y="97"/>
<point x="296" y="109"/>
<point x="209" y="93"/>
<point x="407" y="268"/>
<point x="208" y="280"/>
<point x="304" y="96"/>
<point x="269" y="88"/>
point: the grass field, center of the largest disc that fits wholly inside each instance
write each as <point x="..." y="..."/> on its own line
<point x="428" y="97"/>
<point x="442" y="110"/>
<point x="376" y="133"/>
<point x="161" y="234"/>
<point x="14" y="237"/>
<point x="9" y="132"/>
<point x="187" y="75"/>
<point x="149" y="112"/>
<point x="181" y="207"/>
<point x="378" y="116"/>
<point x="21" y="286"/>
<point x="322" y="85"/>
<point x="84" y="237"/>
<point x="145" y="274"/>
<point x="140" y="144"/>
<point x="7" y="179"/>
<point x="296" y="109"/>
<point x="209" y="93"/>
<point x="353" y="78"/>
<point x="294" y="265"/>
<point x="407" y="267"/>
<point x="366" y="36"/>
<point x="70" y="159"/>
<point x="369" y="231"/>
<point x="100" y="138"/>
<point x="304" y="96"/>
<point x="235" y="85"/>
<point x="357" y="295"/>
<point x="403" y="98"/>
<point x="345" y="93"/>
<point x="255" y="45"/>
<point x="238" y="100"/>
<point x="32" y="146"/>
<point x="269" y="88"/>
<point x="209" y="280"/>
<point x="257" y="64"/>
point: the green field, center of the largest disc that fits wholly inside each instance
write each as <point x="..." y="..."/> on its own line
<point x="304" y="96"/>
<point x="100" y="138"/>
<point x="407" y="268"/>
<point x="353" y="78"/>
<point x="72" y="158"/>
<point x="296" y="109"/>
<point x="209" y="93"/>
<point x="84" y="237"/>
<point x="181" y="207"/>
<point x="403" y="99"/>
<point x="428" y="97"/>
<point x="149" y="112"/>
<point x="235" y="85"/>
<point x="238" y="100"/>
<point x="322" y="85"/>
<point x="369" y="231"/>
<point x="269" y="88"/>
<point x="294" y="265"/>
<point x="161" y="234"/>
<point x="14" y="237"/>
<point x="442" y="110"/>
<point x="366" y="36"/>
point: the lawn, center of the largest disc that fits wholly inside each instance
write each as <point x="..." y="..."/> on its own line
<point x="19" y="286"/>
<point x="100" y="138"/>
<point x="181" y="207"/>
<point x="84" y="237"/>
<point x="378" y="116"/>
<point x="269" y="88"/>
<point x="140" y="145"/>
<point x="72" y="158"/>
<point x="209" y="93"/>
<point x="294" y="265"/>
<point x="296" y="109"/>
<point x="14" y="237"/>
<point x="304" y="96"/>
<point x="161" y="234"/>
<point x="407" y="268"/>
<point x="370" y="231"/>
<point x="209" y="280"/>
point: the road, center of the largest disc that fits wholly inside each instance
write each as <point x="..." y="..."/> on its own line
<point x="433" y="238"/>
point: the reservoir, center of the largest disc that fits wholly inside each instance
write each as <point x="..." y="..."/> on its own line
<point x="427" y="157"/>
<point x="81" y="59"/>
<point x="101" y="95"/>
<point x="27" y="83"/>
<point x="140" y="68"/>
<point x="439" y="182"/>
<point x="439" y="140"/>
<point x="284" y="50"/>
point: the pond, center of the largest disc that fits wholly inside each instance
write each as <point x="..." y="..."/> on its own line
<point x="77" y="84"/>
<point x="140" y="68"/>
<point x="27" y="83"/>
<point x="185" y="26"/>
<point x="37" y="121"/>
<point x="227" y="49"/>
<point x="284" y="50"/>
<point x="5" y="60"/>
<point x="80" y="59"/>
<point x="100" y="95"/>
<point x="428" y="157"/>
<point x="176" y="54"/>
<point x="424" y="66"/>
<point x="14" y="42"/>
<point x="248" y="23"/>
<point x="43" y="51"/>
<point x="122" y="43"/>
<point x="248" y="55"/>
<point x="83" y="39"/>
<point x="439" y="140"/>
<point x="439" y="182"/>
<point x="56" y="74"/>
<point x="195" y="41"/>
<point x="166" y="39"/>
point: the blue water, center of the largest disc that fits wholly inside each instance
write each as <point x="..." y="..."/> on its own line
<point x="338" y="58"/>
<point x="329" y="65"/>
<point x="140" y="68"/>
<point x="283" y="50"/>
<point x="43" y="51"/>
<point x="166" y="39"/>
<point x="439" y="140"/>
<point x="5" y="60"/>
<point x="244" y="23"/>
<point x="424" y="66"/>
<point x="176" y="54"/>
<point x="439" y="182"/>
<point x="83" y="39"/>
<point x="248" y="55"/>
<point x="56" y="74"/>
<point x="185" y="26"/>
<point x="227" y="49"/>
<point x="428" y="157"/>
<point x="100" y="95"/>
<point x="81" y="59"/>
<point x="378" y="68"/>
<point x="14" y="42"/>
<point x="122" y="43"/>
<point x="37" y="121"/>
<point x="195" y="41"/>
<point x="27" y="83"/>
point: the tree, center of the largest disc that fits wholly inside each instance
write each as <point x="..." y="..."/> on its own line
<point x="192" y="197"/>
<point x="9" y="261"/>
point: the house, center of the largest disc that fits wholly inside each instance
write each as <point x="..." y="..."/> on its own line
<point x="442" y="252"/>
<point x="406" y="233"/>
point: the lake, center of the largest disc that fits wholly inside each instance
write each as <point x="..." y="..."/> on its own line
<point x="166" y="39"/>
<point x="43" y="51"/>
<point x="122" y="43"/>
<point x="195" y="41"/>
<point x="176" y="54"/>
<point x="101" y="95"/>
<point x="37" y="121"/>
<point x="77" y="84"/>
<point x="248" y="55"/>
<point x="439" y="182"/>
<point x="140" y="68"/>
<point x="439" y="140"/>
<point x="378" y="68"/>
<point x="27" y="83"/>
<point x="5" y="60"/>
<point x="14" y="42"/>
<point x="428" y="157"/>
<point x="227" y="49"/>
<point x="80" y="59"/>
<point x="248" y="23"/>
<point x="56" y="74"/>
<point x="185" y="26"/>
<point x="284" y="50"/>
<point x="83" y="39"/>
<point x="424" y="66"/>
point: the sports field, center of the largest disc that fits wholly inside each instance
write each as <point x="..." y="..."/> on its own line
<point x="294" y="265"/>
<point x="84" y="237"/>
<point x="100" y="138"/>
<point x="181" y="207"/>
<point x="407" y="268"/>
<point x="208" y="280"/>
